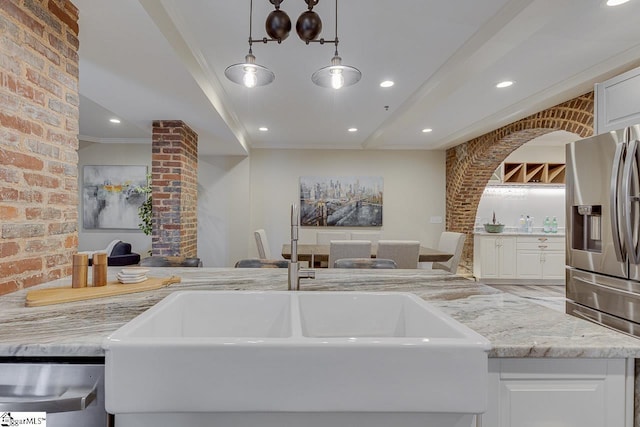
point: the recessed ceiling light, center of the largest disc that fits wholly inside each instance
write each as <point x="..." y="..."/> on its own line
<point x="353" y="129"/>
<point x="114" y="120"/>
<point x="263" y="129"/>
<point x="427" y="130"/>
<point x="616" y="2"/>
<point x="504" y="84"/>
<point x="387" y="83"/>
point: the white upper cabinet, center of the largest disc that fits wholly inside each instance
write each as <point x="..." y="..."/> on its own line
<point x="617" y="102"/>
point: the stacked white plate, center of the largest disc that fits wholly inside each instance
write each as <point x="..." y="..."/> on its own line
<point x="132" y="275"/>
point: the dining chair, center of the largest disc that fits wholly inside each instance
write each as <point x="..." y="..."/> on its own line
<point x="404" y="252"/>
<point x="324" y="237"/>
<point x="339" y="249"/>
<point x="262" y="263"/>
<point x="373" y="236"/>
<point x="263" y="245"/>
<point x="365" y="263"/>
<point x="450" y="242"/>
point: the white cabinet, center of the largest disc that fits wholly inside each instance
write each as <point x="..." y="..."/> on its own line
<point x="617" y="102"/>
<point x="554" y="265"/>
<point x="540" y="258"/>
<point x="494" y="257"/>
<point x="511" y="258"/>
<point x="559" y="392"/>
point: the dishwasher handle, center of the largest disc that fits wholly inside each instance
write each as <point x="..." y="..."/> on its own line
<point x="73" y="399"/>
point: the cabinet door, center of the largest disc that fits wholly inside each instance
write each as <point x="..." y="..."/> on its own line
<point x="617" y="102"/>
<point x="553" y="266"/>
<point x="558" y="392"/>
<point x="529" y="264"/>
<point x="489" y="257"/>
<point x="507" y="257"/>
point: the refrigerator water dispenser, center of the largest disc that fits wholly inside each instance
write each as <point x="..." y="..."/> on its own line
<point x="586" y="232"/>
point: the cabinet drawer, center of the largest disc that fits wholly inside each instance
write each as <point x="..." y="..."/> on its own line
<point x="548" y="246"/>
<point x="530" y="242"/>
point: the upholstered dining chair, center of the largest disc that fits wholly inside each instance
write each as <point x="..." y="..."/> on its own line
<point x="339" y="249"/>
<point x="404" y="252"/>
<point x="450" y="242"/>
<point x="263" y="245"/>
<point x="365" y="263"/>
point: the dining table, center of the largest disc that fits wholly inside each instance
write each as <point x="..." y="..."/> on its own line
<point x="315" y="254"/>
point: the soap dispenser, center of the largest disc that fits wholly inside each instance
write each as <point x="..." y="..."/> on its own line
<point x="522" y="224"/>
<point x="546" y="225"/>
<point x="554" y="225"/>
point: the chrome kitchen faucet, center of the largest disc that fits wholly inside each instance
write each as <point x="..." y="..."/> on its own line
<point x="295" y="273"/>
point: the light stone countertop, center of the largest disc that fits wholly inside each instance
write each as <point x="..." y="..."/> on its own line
<point x="516" y="327"/>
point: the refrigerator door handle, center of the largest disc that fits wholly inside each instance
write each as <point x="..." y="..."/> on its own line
<point x="629" y="207"/>
<point x="614" y="204"/>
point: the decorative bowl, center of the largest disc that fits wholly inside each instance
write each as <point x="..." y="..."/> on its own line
<point x="493" y="228"/>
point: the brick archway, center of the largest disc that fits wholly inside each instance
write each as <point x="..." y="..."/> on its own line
<point x="470" y="165"/>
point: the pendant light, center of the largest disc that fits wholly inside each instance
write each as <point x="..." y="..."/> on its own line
<point x="248" y="73"/>
<point x="336" y="75"/>
<point x="308" y="27"/>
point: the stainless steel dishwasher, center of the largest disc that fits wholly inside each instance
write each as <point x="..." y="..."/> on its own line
<point x="70" y="391"/>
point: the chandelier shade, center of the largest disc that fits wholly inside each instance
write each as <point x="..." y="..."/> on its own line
<point x="336" y="75"/>
<point x="249" y="74"/>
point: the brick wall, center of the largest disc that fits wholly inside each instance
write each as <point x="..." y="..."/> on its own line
<point x="470" y="165"/>
<point x="174" y="183"/>
<point x="38" y="141"/>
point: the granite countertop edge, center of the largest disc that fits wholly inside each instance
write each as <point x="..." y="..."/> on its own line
<point x="516" y="327"/>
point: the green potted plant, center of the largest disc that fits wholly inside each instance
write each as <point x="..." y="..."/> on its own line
<point x="144" y="211"/>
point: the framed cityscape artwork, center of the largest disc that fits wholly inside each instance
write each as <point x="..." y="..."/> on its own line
<point x="109" y="196"/>
<point x="341" y="201"/>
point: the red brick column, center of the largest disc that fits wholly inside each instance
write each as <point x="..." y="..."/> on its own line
<point x="38" y="141"/>
<point x="174" y="185"/>
<point x="470" y="165"/>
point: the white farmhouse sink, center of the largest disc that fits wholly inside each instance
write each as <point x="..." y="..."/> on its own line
<point x="215" y="351"/>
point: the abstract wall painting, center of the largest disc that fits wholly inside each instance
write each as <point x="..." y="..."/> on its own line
<point x="341" y="201"/>
<point x="109" y="196"/>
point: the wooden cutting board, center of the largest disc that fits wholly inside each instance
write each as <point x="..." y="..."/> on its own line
<point x="49" y="296"/>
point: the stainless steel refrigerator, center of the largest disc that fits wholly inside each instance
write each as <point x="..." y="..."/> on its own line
<point x="603" y="229"/>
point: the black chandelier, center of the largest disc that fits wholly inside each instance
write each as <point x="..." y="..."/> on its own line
<point x="308" y="27"/>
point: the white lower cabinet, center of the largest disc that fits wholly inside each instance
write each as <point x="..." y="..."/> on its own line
<point x="518" y="257"/>
<point x="559" y="392"/>
<point x="554" y="265"/>
<point x="540" y="258"/>
<point x="496" y="257"/>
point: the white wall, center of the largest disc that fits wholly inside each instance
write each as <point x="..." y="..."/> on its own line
<point x="538" y="201"/>
<point x="237" y="195"/>
<point x="509" y="202"/>
<point x="541" y="154"/>
<point x="414" y="190"/>
<point x="111" y="154"/>
<point x="223" y="209"/>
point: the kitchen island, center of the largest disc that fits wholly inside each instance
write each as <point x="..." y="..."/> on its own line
<point x="519" y="330"/>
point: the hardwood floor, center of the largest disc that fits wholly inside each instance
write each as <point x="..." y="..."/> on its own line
<point x="551" y="296"/>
